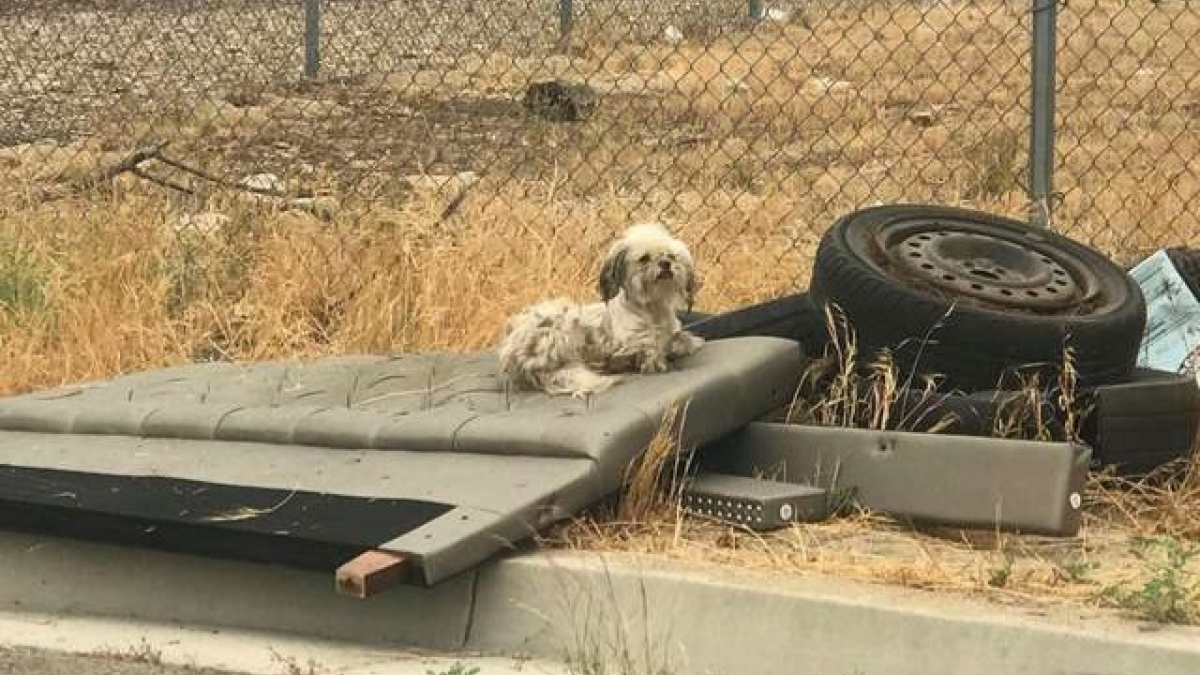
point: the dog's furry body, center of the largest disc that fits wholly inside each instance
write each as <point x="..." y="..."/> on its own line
<point x="564" y="347"/>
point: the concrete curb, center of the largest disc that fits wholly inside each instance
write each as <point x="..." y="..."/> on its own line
<point x="724" y="621"/>
<point x="631" y="614"/>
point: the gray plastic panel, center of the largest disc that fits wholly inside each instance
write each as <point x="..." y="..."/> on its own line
<point x="500" y="500"/>
<point x="437" y="427"/>
<point x="965" y="481"/>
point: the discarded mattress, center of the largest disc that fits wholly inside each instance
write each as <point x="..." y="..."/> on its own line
<point x="311" y="463"/>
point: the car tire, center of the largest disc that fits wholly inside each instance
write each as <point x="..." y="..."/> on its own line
<point x="793" y="317"/>
<point x="1186" y="261"/>
<point x="1134" y="426"/>
<point x="976" y="297"/>
<point x="1144" y="422"/>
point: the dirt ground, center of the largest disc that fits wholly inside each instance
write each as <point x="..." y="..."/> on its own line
<point x="39" y="662"/>
<point x="759" y="134"/>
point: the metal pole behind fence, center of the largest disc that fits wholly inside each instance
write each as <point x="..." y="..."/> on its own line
<point x="566" y="17"/>
<point x="1041" y="135"/>
<point x="312" y="38"/>
<point x="756" y="11"/>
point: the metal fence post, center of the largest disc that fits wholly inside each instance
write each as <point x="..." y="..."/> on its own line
<point x="756" y="10"/>
<point x="312" y="38"/>
<point x="566" y="17"/>
<point x="1041" y="135"/>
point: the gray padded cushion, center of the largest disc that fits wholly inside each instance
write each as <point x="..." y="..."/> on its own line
<point x="427" y="402"/>
<point x="431" y="426"/>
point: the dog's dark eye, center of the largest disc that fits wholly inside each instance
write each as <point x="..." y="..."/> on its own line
<point x="644" y="259"/>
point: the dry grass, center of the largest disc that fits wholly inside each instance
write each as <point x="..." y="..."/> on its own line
<point x="106" y="284"/>
<point x="845" y="388"/>
<point x="653" y="484"/>
<point x="1166" y="503"/>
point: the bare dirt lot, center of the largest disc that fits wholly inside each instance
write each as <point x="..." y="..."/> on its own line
<point x="767" y="131"/>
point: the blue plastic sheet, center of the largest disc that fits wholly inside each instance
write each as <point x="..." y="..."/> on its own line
<point x="1172" y="338"/>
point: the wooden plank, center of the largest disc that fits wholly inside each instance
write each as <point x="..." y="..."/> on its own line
<point x="356" y="522"/>
<point x="302" y="529"/>
<point x="371" y="573"/>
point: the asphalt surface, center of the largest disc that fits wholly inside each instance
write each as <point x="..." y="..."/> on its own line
<point x="22" y="661"/>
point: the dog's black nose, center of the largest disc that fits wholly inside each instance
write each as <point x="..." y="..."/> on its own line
<point x="664" y="269"/>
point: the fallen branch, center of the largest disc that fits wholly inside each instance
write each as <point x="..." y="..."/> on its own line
<point x="251" y="193"/>
<point x="134" y="162"/>
<point x="130" y="163"/>
<point x="199" y="173"/>
<point x="162" y="182"/>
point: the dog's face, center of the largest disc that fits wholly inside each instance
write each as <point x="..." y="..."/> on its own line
<point x="652" y="267"/>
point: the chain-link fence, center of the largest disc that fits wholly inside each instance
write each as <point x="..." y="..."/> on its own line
<point x="1128" y="115"/>
<point x="750" y="125"/>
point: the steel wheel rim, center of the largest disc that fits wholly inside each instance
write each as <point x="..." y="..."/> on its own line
<point x="996" y="270"/>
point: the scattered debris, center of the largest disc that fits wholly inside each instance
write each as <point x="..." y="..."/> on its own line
<point x="672" y="35"/>
<point x="263" y="189"/>
<point x="826" y="85"/>
<point x="202" y="223"/>
<point x="561" y="101"/>
<point x="267" y="183"/>
<point x="1134" y="419"/>
<point x="453" y="189"/>
<point x="777" y="14"/>
<point x="922" y="116"/>
<point x="736" y="85"/>
<point x="1172" y="340"/>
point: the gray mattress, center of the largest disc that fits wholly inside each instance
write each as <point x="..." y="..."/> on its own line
<point x="429" y="429"/>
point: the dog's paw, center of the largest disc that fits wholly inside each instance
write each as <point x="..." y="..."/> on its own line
<point x="591" y="389"/>
<point x="684" y="343"/>
<point x="653" y="365"/>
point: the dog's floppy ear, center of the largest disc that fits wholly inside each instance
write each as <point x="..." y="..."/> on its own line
<point x="691" y="288"/>
<point x="612" y="274"/>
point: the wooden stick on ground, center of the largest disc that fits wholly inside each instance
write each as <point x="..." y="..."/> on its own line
<point x="371" y="573"/>
<point x="129" y="163"/>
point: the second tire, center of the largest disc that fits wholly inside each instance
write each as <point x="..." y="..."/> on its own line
<point x="977" y="297"/>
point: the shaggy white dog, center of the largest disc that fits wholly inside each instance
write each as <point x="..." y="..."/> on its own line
<point x="563" y="347"/>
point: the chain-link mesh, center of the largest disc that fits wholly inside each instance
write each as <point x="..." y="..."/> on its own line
<point x="1127" y="126"/>
<point x="748" y="125"/>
